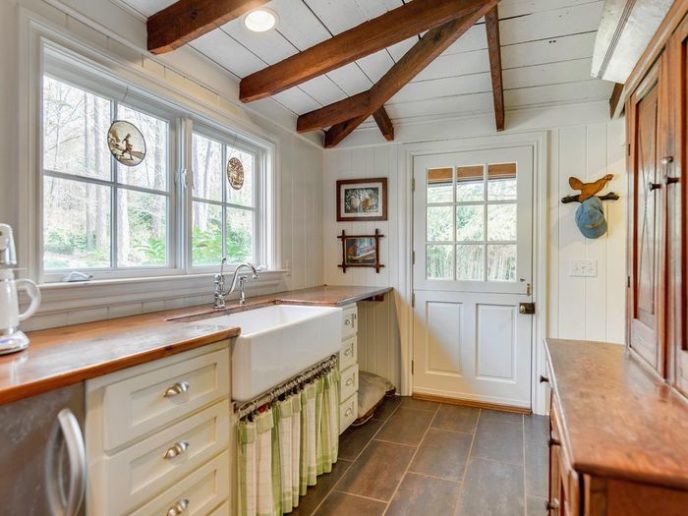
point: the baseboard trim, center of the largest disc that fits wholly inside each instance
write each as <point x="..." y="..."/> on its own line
<point x="471" y="403"/>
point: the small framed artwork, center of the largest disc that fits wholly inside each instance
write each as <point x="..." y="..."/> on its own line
<point x="361" y="251"/>
<point x="362" y="199"/>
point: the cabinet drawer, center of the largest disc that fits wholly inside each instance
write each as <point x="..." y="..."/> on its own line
<point x="348" y="355"/>
<point x="140" y="404"/>
<point x="197" y="494"/>
<point x="348" y="412"/>
<point x="349" y="321"/>
<point x="349" y="382"/>
<point x="132" y="476"/>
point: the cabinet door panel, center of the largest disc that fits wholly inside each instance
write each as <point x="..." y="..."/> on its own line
<point x="677" y="221"/>
<point x="646" y="113"/>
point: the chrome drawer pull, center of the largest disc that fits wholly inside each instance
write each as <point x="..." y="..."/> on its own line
<point x="348" y="412"/>
<point x="347" y="322"/>
<point x="349" y="381"/>
<point x="178" y="508"/>
<point x="176" y="450"/>
<point x="348" y="352"/>
<point x="177" y="389"/>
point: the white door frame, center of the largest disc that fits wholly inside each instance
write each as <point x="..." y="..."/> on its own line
<point x="539" y="141"/>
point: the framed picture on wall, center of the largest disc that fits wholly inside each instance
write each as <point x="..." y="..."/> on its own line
<point x="361" y="251"/>
<point x="362" y="199"/>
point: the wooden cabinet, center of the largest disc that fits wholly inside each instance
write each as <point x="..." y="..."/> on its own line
<point x="348" y="367"/>
<point x="657" y="121"/>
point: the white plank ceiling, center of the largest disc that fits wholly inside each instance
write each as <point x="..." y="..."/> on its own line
<point x="547" y="47"/>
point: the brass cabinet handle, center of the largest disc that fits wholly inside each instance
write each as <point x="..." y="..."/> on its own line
<point x="178" y="508"/>
<point x="654" y="186"/>
<point x="553" y="505"/>
<point x="177" y="389"/>
<point x="176" y="450"/>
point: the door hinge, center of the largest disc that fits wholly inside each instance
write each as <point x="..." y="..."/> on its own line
<point x="413" y="184"/>
<point x="413" y="258"/>
<point x="629" y="149"/>
<point x="413" y="368"/>
<point x="413" y="300"/>
<point x="628" y="282"/>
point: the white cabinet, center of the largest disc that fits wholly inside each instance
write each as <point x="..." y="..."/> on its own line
<point x="348" y="367"/>
<point x="158" y="436"/>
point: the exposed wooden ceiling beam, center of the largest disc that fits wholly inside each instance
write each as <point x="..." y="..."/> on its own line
<point x="187" y="20"/>
<point x="384" y="123"/>
<point x="363" y="105"/>
<point x="392" y="27"/>
<point x="495" y="51"/>
<point x="616" y="105"/>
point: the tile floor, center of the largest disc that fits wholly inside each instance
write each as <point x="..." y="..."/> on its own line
<point x="424" y="458"/>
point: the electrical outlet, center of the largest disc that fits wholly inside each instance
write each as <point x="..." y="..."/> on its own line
<point x="583" y="268"/>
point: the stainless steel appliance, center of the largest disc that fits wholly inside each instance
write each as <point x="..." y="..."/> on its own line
<point x="43" y="457"/>
<point x="11" y="339"/>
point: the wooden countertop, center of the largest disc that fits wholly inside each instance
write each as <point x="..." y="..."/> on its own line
<point x="618" y="420"/>
<point x="63" y="356"/>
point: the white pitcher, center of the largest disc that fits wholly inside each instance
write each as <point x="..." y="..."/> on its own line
<point x="11" y="339"/>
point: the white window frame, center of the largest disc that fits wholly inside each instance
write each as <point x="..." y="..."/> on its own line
<point x="226" y="138"/>
<point x="183" y="121"/>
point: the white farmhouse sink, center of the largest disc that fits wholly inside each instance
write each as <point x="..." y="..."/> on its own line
<point x="277" y="342"/>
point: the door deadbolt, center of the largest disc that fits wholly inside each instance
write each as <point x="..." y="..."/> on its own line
<point x="526" y="308"/>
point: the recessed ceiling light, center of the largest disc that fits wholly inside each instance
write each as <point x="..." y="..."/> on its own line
<point x="260" y="20"/>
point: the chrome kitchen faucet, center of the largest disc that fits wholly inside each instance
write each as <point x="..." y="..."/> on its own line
<point x="220" y="292"/>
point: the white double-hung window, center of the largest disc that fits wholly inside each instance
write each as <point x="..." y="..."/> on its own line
<point x="174" y="213"/>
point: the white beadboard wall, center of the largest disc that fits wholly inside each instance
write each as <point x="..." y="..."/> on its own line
<point x="299" y="162"/>
<point x="577" y="308"/>
<point x="587" y="308"/>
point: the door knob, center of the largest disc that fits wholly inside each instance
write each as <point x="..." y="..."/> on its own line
<point x="526" y="308"/>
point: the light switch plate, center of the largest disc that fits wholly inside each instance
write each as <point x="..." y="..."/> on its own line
<point x="583" y="268"/>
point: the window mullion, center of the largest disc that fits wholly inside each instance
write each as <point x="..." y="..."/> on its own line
<point x="114" y="211"/>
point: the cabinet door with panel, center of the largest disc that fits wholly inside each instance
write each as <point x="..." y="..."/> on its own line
<point x="646" y="112"/>
<point x="675" y="165"/>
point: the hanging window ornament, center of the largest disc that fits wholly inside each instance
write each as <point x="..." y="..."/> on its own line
<point x="126" y="143"/>
<point x="235" y="169"/>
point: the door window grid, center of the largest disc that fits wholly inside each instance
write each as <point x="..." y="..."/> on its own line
<point x="471" y="223"/>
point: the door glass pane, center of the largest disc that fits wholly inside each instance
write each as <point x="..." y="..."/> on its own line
<point x="501" y="222"/>
<point x="245" y="195"/>
<point x="75" y="126"/>
<point x="440" y="223"/>
<point x="439" y="262"/>
<point x="239" y="235"/>
<point x="152" y="172"/>
<point x="141" y="229"/>
<point x="470" y="185"/>
<point x="470" y="223"/>
<point x="501" y="262"/>
<point x="470" y="262"/>
<point x="207" y="168"/>
<point x="439" y="185"/>
<point x="501" y="182"/>
<point x="76" y="225"/>
<point x="207" y="234"/>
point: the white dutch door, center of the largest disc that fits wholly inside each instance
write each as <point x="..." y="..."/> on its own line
<point x="473" y="267"/>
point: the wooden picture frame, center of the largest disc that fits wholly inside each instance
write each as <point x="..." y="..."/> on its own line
<point x="361" y="251"/>
<point x="362" y="199"/>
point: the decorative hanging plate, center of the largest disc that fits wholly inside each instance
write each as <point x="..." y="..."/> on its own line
<point x="126" y="143"/>
<point x="235" y="173"/>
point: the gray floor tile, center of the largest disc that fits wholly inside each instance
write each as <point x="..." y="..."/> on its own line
<point x="537" y="455"/>
<point x="504" y="417"/>
<point x="317" y="493"/>
<point x="387" y="408"/>
<point x="342" y="504"/>
<point x="492" y="489"/>
<point x="410" y="403"/>
<point x="378" y="471"/>
<point x="422" y="496"/>
<point x="406" y="426"/>
<point x="443" y="454"/>
<point x="498" y="441"/>
<point x="456" y="418"/>
<point x="354" y="439"/>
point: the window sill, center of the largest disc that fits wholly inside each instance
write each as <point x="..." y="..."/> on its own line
<point x="76" y="302"/>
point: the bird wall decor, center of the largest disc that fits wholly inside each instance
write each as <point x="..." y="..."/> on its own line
<point x="590" y="214"/>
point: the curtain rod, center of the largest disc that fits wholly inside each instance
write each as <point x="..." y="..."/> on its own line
<point x="246" y="408"/>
